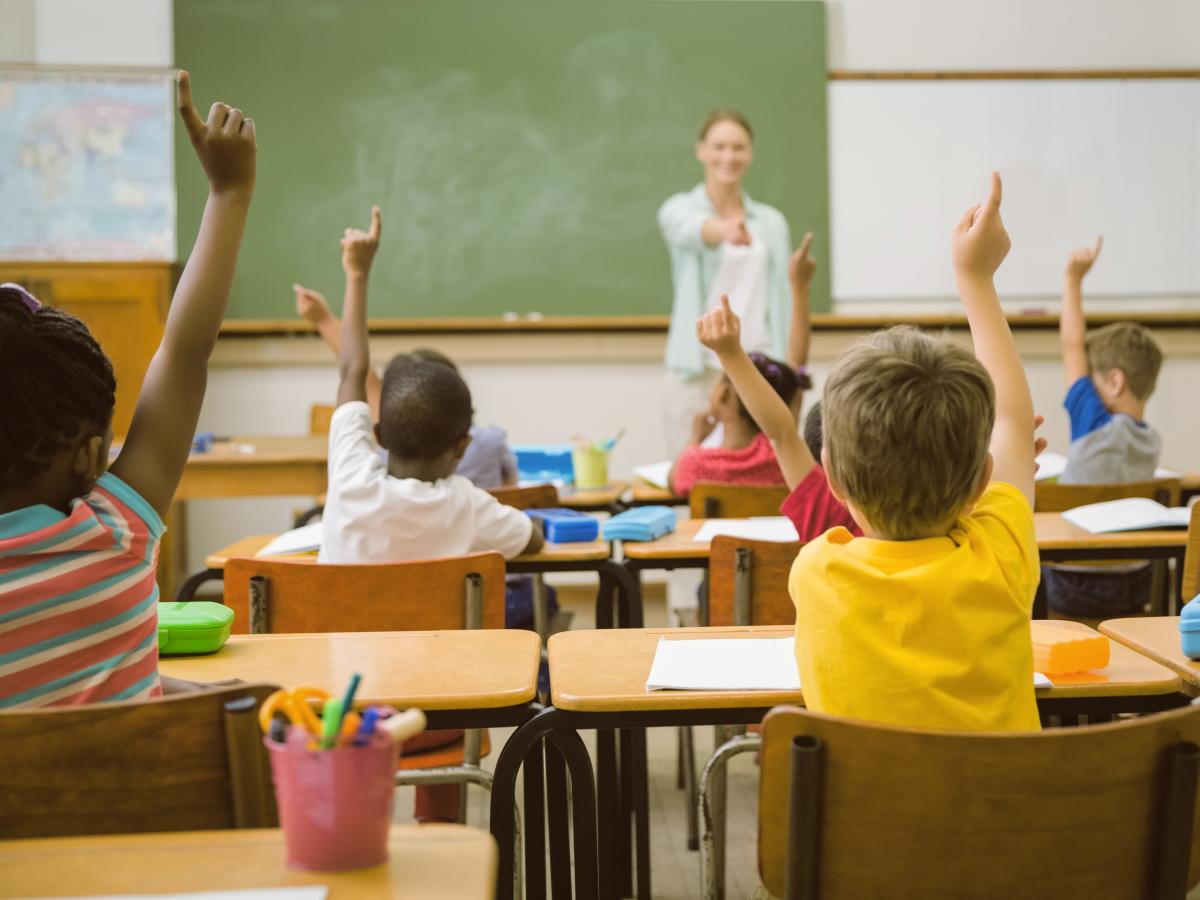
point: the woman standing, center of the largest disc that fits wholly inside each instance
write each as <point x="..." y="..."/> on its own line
<point x="721" y="242"/>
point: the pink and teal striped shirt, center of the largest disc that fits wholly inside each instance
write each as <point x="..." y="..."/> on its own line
<point x="78" y="600"/>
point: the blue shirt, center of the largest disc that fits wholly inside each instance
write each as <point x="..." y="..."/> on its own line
<point x="693" y="265"/>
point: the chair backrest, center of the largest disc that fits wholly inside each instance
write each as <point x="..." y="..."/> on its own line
<point x="1191" y="560"/>
<point x="1050" y="496"/>
<point x="534" y="496"/>
<point x="428" y="595"/>
<point x="319" y="415"/>
<point x="711" y="500"/>
<point x="748" y="582"/>
<point x="1098" y="811"/>
<point x="181" y="763"/>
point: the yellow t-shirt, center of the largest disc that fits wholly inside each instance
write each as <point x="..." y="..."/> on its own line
<point x="931" y="633"/>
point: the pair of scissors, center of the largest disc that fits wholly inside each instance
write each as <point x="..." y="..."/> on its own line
<point x="297" y="705"/>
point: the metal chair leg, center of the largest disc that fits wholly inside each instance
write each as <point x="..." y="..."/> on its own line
<point x="687" y="750"/>
<point x="712" y="814"/>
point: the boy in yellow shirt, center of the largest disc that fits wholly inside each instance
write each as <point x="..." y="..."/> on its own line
<point x="924" y="620"/>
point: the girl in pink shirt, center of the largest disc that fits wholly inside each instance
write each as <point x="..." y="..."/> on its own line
<point x="745" y="455"/>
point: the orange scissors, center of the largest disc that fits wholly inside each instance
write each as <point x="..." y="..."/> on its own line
<point x="297" y="705"/>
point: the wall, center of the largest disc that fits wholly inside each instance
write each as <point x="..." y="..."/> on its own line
<point x="596" y="384"/>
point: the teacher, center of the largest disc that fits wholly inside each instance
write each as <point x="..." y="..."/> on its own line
<point x="721" y="242"/>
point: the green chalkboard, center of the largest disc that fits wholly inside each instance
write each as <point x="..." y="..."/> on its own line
<point x="519" y="149"/>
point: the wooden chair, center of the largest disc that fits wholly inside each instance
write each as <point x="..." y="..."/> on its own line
<point x="319" y="416"/>
<point x="286" y="596"/>
<point x="1050" y="496"/>
<point x="850" y="809"/>
<point x="534" y="496"/>
<point x="748" y="586"/>
<point x="182" y="763"/>
<point x="1191" y="560"/>
<point x="711" y="500"/>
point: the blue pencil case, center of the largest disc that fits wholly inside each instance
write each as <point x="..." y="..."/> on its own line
<point x="1189" y="628"/>
<point x="566" y="526"/>
<point x="644" y="523"/>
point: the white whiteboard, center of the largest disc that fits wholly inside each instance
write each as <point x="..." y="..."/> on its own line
<point x="1078" y="158"/>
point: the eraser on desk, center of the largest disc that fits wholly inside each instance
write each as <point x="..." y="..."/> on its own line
<point x="1059" y="648"/>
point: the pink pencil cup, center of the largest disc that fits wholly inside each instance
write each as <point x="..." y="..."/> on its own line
<point x="335" y="805"/>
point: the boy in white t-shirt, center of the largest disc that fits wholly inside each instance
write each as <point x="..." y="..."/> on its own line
<point x="411" y="506"/>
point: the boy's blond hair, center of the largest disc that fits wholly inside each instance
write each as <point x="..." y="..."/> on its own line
<point x="1130" y="348"/>
<point x="908" y="419"/>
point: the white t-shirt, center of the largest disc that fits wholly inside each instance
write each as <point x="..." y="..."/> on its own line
<point x="742" y="276"/>
<point x="372" y="517"/>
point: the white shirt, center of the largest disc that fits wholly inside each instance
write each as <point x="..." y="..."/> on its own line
<point x="742" y="276"/>
<point x="372" y="517"/>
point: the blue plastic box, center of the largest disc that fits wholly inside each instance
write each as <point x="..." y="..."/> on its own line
<point x="544" y="463"/>
<point x="644" y="523"/>
<point x="1189" y="628"/>
<point x="566" y="526"/>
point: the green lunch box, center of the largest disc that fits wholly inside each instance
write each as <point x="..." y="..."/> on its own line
<point x="197" y="626"/>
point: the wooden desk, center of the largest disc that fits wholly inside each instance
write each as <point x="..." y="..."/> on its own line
<point x="646" y="494"/>
<point x="257" y="467"/>
<point x="598" y="681"/>
<point x="606" y="499"/>
<point x="425" y="861"/>
<point x="1156" y="637"/>
<point x="434" y="670"/>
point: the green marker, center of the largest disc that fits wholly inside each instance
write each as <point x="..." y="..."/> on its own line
<point x="331" y="723"/>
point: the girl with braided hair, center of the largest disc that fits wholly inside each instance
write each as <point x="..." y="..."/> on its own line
<point x="79" y="539"/>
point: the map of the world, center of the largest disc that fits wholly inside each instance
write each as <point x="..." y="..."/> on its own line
<point x="86" y="167"/>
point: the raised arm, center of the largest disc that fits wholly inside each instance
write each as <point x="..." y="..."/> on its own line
<point x="720" y="331"/>
<point x="312" y="306"/>
<point x="354" y="359"/>
<point x="164" y="422"/>
<point x="1072" y="326"/>
<point x="978" y="246"/>
<point x="685" y="227"/>
<point x="800" y="272"/>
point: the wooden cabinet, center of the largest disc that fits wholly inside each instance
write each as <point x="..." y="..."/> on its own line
<point x="123" y="304"/>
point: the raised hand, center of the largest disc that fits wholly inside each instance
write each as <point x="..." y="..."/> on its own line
<point x="225" y="144"/>
<point x="979" y="242"/>
<point x="720" y="330"/>
<point x="801" y="266"/>
<point x="1081" y="261"/>
<point x="1039" y="443"/>
<point x="733" y="231"/>
<point x="311" y="305"/>
<point x="358" y="247"/>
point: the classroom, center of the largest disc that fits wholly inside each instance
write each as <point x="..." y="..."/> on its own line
<point x="599" y="448"/>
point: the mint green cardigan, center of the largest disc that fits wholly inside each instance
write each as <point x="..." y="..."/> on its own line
<point x="694" y="263"/>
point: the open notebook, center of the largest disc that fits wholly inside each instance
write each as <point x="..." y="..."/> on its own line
<point x="1130" y="514"/>
<point x="733" y="664"/>
<point x="760" y="528"/>
<point x="1051" y="465"/>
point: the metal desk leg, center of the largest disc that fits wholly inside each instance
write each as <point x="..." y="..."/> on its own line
<point x="560" y="832"/>
<point x="535" y="826"/>
<point x="608" y="809"/>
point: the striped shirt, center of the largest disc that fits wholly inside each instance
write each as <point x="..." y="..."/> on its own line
<point x="78" y="600"/>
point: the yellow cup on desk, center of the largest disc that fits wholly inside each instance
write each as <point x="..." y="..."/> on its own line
<point x="591" y="467"/>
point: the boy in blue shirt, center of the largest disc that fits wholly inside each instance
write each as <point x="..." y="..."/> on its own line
<point x="1111" y="374"/>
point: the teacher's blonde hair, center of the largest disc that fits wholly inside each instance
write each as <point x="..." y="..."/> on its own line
<point x="725" y="114"/>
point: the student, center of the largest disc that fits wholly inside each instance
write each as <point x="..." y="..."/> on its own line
<point x="924" y="621"/>
<point x="411" y="506"/>
<point x="488" y="461"/>
<point x="1111" y="374"/>
<point x="79" y="544"/>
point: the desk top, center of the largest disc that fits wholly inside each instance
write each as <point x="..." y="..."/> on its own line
<point x="1053" y="533"/>
<point x="250" y="450"/>
<point x="606" y="671"/>
<point x="595" y="498"/>
<point x="425" y="861"/>
<point x="645" y="492"/>
<point x="1158" y="638"/>
<point x="578" y="552"/>
<point x="487" y="669"/>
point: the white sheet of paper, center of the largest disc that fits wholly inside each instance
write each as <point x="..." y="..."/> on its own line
<point x="303" y="892"/>
<point x="764" y="528"/>
<point x="1050" y="465"/>
<point x="655" y="474"/>
<point x="732" y="664"/>
<point x="1160" y="472"/>
<point x="298" y="540"/>
<point x="724" y="664"/>
<point x="1130" y="514"/>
